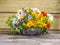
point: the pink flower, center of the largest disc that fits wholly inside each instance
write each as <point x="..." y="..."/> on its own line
<point x="15" y="22"/>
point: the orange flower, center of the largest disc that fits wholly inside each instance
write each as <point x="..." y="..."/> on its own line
<point x="32" y="23"/>
<point x="47" y="25"/>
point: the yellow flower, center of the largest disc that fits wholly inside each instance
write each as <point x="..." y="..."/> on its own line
<point x="31" y="23"/>
<point x="33" y="13"/>
<point x="21" y="17"/>
<point x="42" y="19"/>
<point x="38" y="21"/>
<point x="37" y="16"/>
<point x="27" y="11"/>
<point x="24" y="24"/>
<point x="28" y="25"/>
<point x="41" y="25"/>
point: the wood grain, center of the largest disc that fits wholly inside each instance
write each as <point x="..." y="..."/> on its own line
<point x="50" y="6"/>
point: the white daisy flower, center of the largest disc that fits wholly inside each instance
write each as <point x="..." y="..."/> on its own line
<point x="18" y="16"/>
<point x="50" y="17"/>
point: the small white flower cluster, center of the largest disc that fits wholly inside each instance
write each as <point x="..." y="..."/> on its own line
<point x="50" y="17"/>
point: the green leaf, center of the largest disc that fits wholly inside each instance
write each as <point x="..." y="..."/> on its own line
<point x="26" y="18"/>
<point x="23" y="31"/>
<point x="12" y="32"/>
<point x="34" y="18"/>
<point x="20" y="27"/>
<point x="10" y="20"/>
<point x="44" y="30"/>
<point x="46" y="20"/>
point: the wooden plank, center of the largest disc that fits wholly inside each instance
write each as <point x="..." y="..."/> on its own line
<point x="50" y="6"/>
<point x="4" y="30"/>
<point x="3" y="19"/>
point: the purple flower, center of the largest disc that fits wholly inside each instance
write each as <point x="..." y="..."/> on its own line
<point x="24" y="13"/>
<point x="29" y="17"/>
<point x="34" y="9"/>
<point x="20" y="20"/>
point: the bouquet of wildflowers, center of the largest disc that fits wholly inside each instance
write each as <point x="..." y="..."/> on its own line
<point x="30" y="18"/>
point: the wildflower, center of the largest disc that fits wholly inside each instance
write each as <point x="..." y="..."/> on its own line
<point x="47" y="25"/>
<point x="43" y="13"/>
<point x="15" y="22"/>
<point x="27" y="10"/>
<point x="50" y="17"/>
<point x="28" y="25"/>
<point x="31" y="22"/>
<point x="24" y="24"/>
<point x="37" y="16"/>
<point x="20" y="20"/>
<point x="21" y="17"/>
<point x="33" y="13"/>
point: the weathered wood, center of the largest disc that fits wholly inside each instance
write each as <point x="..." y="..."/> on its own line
<point x="3" y="19"/>
<point x="4" y="30"/>
<point x="44" y="5"/>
